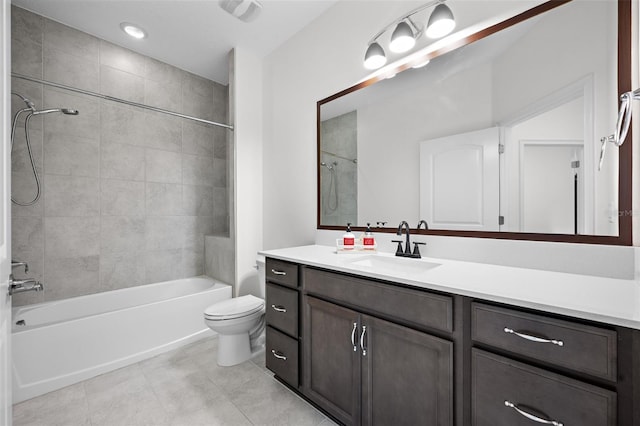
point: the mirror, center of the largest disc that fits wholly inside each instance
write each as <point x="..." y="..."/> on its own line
<point x="497" y="138"/>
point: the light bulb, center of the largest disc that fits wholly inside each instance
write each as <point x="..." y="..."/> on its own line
<point x="133" y="30"/>
<point x="402" y="38"/>
<point x="375" y="57"/>
<point x="441" y="22"/>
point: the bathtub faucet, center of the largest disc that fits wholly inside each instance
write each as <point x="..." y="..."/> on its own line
<point x="21" y="286"/>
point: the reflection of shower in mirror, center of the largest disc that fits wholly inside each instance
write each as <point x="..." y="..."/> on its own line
<point x="332" y="202"/>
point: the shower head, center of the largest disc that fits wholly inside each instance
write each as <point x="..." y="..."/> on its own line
<point x="66" y="111"/>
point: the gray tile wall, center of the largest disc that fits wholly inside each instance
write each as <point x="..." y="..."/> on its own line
<point x="339" y="136"/>
<point x="128" y="194"/>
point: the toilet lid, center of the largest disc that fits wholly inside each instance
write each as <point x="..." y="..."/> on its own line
<point x="234" y="308"/>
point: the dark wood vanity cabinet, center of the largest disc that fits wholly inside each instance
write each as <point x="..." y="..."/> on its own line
<point x="365" y="369"/>
<point x="371" y="352"/>
<point x="529" y="367"/>
<point x="282" y="348"/>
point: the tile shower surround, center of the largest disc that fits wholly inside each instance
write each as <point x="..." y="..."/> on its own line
<point x="128" y="194"/>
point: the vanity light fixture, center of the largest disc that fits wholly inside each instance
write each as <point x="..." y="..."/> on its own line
<point x="133" y="30"/>
<point x="406" y="32"/>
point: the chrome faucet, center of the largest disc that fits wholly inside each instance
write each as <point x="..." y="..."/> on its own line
<point x="21" y="286"/>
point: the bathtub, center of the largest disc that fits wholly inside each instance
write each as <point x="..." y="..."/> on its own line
<point x="64" y="342"/>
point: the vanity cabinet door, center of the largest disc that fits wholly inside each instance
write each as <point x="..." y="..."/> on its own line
<point x="407" y="376"/>
<point x="331" y="365"/>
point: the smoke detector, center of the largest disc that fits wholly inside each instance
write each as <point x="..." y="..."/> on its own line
<point x="244" y="10"/>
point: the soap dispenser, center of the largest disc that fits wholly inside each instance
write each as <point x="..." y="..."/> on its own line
<point x="348" y="239"/>
<point x="368" y="241"/>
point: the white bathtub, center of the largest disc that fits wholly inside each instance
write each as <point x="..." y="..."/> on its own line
<point x="67" y="341"/>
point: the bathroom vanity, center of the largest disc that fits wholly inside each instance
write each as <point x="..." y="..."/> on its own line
<point x="374" y="339"/>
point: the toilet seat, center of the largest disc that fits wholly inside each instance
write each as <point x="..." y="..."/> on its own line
<point x="237" y="307"/>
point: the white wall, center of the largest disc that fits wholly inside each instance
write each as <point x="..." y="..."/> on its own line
<point x="248" y="142"/>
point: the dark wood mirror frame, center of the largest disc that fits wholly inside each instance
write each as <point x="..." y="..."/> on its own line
<point x="625" y="234"/>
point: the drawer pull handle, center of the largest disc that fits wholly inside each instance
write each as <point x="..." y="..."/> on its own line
<point x="275" y="271"/>
<point x="279" y="308"/>
<point x="531" y="416"/>
<point x="362" y="348"/>
<point x="353" y="336"/>
<point x="278" y="355"/>
<point x="534" y="338"/>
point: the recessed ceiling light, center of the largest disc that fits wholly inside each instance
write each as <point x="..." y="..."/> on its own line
<point x="133" y="30"/>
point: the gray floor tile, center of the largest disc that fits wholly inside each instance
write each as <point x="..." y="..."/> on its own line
<point x="65" y="407"/>
<point x="183" y="387"/>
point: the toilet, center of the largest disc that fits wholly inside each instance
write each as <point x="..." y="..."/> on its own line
<point x="239" y="323"/>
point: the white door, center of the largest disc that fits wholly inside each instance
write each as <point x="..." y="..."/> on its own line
<point x="460" y="181"/>
<point x="5" y="209"/>
<point x="551" y="187"/>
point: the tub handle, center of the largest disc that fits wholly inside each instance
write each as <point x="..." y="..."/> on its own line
<point x="279" y="308"/>
<point x="278" y="355"/>
<point x="275" y="271"/>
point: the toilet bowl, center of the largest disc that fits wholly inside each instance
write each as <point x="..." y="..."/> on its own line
<point x="240" y="324"/>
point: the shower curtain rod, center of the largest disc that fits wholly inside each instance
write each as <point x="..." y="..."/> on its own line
<point x="122" y="101"/>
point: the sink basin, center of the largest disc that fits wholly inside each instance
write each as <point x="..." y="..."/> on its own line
<point x="393" y="265"/>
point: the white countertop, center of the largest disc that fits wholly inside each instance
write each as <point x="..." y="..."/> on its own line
<point x="607" y="300"/>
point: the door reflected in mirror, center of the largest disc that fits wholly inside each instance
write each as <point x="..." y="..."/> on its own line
<point x="501" y="134"/>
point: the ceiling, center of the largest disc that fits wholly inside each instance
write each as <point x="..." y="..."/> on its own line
<point x="195" y="35"/>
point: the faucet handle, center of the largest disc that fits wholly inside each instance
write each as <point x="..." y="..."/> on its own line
<point x="416" y="249"/>
<point x="399" y="251"/>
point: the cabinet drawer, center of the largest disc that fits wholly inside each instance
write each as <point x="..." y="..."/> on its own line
<point x="501" y="387"/>
<point x="394" y="302"/>
<point x="282" y="356"/>
<point x="282" y="309"/>
<point x="281" y="272"/>
<point x="579" y="347"/>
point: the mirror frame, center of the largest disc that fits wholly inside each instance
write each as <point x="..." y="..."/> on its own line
<point x="625" y="232"/>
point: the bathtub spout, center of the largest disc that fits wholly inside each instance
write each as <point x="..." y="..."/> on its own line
<point x="21" y="286"/>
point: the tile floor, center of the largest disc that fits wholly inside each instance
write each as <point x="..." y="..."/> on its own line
<point x="184" y="387"/>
